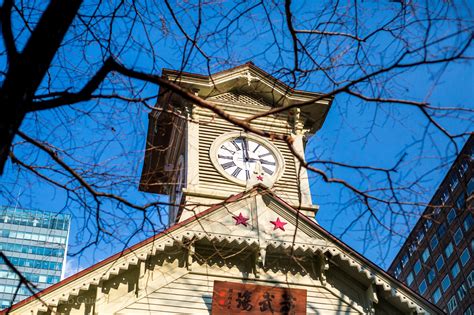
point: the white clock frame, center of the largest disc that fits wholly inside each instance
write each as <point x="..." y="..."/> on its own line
<point x="236" y="134"/>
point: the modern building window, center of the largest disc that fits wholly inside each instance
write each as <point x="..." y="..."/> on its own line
<point x="445" y="283"/>
<point x="468" y="222"/>
<point x="448" y="250"/>
<point x="442" y="230"/>
<point x="469" y="311"/>
<point x="465" y="256"/>
<point x="451" y="215"/>
<point x="434" y="242"/>
<point x="422" y="287"/>
<point x="34" y="263"/>
<point x="428" y="224"/>
<point x="462" y="291"/>
<point x="398" y="270"/>
<point x="420" y="236"/>
<point x="410" y="278"/>
<point x="426" y="254"/>
<point x="439" y="262"/>
<point x="470" y="279"/>
<point x="460" y="202"/>
<point x="34" y="236"/>
<point x="463" y="168"/>
<point x="431" y="275"/>
<point x="458" y="236"/>
<point x="444" y="197"/>
<point x="417" y="267"/>
<point x="470" y="186"/>
<point x="404" y="260"/>
<point x="455" y="270"/>
<point x="453" y="182"/>
<point x="452" y="304"/>
<point x="436" y="295"/>
<point x="29" y="249"/>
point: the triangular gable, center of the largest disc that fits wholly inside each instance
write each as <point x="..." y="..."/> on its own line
<point x="223" y="226"/>
<point x="253" y="81"/>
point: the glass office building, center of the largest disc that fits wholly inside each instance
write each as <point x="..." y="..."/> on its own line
<point x="437" y="258"/>
<point x="35" y="242"/>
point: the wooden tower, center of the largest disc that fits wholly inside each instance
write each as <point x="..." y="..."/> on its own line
<point x="200" y="159"/>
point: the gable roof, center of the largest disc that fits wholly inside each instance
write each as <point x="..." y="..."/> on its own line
<point x="130" y="256"/>
<point x="254" y="81"/>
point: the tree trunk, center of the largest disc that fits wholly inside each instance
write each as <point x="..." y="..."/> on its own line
<point x="27" y="69"/>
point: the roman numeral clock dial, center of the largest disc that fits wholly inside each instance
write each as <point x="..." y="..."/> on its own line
<point x="238" y="157"/>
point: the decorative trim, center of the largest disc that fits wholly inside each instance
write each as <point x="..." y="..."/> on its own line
<point x="181" y="234"/>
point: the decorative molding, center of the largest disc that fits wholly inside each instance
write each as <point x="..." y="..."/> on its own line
<point x="185" y="237"/>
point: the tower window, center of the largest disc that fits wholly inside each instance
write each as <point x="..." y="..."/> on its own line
<point x="404" y="260"/>
<point x="454" y="181"/>
<point x="427" y="224"/>
<point x="452" y="304"/>
<point x="439" y="262"/>
<point x="451" y="215"/>
<point x="462" y="291"/>
<point x="426" y="254"/>
<point x="434" y="242"/>
<point x="468" y="221"/>
<point x="465" y="256"/>
<point x="442" y="230"/>
<point x="431" y="275"/>
<point x="446" y="283"/>
<point x="420" y="236"/>
<point x="444" y="197"/>
<point x="460" y="202"/>
<point x="422" y="288"/>
<point x="436" y="296"/>
<point x="470" y="186"/>
<point x="448" y="250"/>
<point x="417" y="267"/>
<point x="470" y="279"/>
<point x="458" y="236"/>
<point x="410" y="278"/>
<point x="455" y="270"/>
<point x="463" y="168"/>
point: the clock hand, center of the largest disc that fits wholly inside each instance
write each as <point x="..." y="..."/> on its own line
<point x="245" y="149"/>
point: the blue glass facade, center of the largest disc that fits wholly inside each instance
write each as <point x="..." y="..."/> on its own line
<point x="36" y="243"/>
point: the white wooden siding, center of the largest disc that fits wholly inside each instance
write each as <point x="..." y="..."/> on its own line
<point x="211" y="127"/>
<point x="192" y="294"/>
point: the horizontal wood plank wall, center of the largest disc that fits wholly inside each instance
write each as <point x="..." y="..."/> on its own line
<point x="211" y="127"/>
<point x="192" y="294"/>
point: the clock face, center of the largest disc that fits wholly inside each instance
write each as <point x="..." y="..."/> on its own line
<point x="239" y="156"/>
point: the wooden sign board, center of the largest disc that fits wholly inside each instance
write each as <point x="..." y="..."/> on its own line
<point x="241" y="298"/>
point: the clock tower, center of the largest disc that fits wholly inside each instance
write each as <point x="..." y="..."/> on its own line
<point x="200" y="159"/>
<point x="246" y="241"/>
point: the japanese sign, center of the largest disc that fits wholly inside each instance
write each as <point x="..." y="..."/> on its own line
<point x="239" y="298"/>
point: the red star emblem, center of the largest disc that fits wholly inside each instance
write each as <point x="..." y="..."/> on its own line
<point x="278" y="224"/>
<point x="260" y="178"/>
<point x="240" y="219"/>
